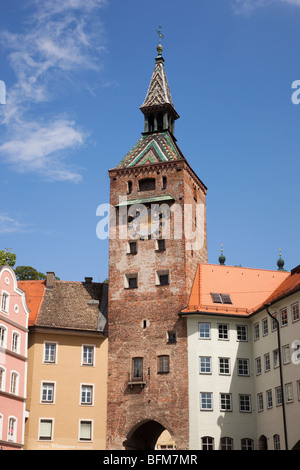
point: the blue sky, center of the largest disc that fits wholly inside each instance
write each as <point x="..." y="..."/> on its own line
<point x="76" y="73"/>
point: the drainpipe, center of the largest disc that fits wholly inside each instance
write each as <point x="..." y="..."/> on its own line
<point x="281" y="379"/>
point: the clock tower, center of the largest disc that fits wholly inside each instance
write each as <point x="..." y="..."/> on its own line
<point x="157" y="239"/>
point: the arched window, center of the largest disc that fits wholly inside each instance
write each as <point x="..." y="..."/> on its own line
<point x="262" y="443"/>
<point x="12" y="425"/>
<point x="2" y="379"/>
<point x="226" y="443"/>
<point x="207" y="443"/>
<point x="276" y="440"/>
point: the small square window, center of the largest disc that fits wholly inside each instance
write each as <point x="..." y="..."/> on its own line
<point x="85" y="431"/>
<point x="171" y="337"/>
<point x="131" y="281"/>
<point x="162" y="278"/>
<point x="161" y="245"/>
<point x="132" y="248"/>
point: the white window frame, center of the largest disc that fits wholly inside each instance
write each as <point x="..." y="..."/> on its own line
<point x="87" y="363"/>
<point x="3" y="380"/>
<point x="206" y="397"/>
<point x="295" y="306"/>
<point x="48" y="361"/>
<point x="209" y="330"/>
<point x="242" y="396"/>
<point x="46" y="439"/>
<point x="226" y="360"/>
<point x="86" y="403"/>
<point x="80" y="439"/>
<point x="3" y="336"/>
<point x="225" y="332"/>
<point x="15" y="342"/>
<point x="5" y="298"/>
<point x="241" y="361"/>
<point x="53" y="385"/>
<point x="12" y="437"/>
<point x="14" y="382"/>
<point x="206" y="361"/>
<point x="242" y="333"/>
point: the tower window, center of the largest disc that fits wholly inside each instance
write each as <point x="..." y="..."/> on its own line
<point x="129" y="187"/>
<point x="147" y="184"/>
<point x="163" y="365"/>
<point x="161" y="245"/>
<point x="137" y="367"/>
<point x="162" y="278"/>
<point x="171" y="337"/>
<point x="164" y="180"/>
<point x="131" y="281"/>
<point x="132" y="248"/>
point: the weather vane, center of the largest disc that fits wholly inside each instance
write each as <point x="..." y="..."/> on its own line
<point x="160" y="35"/>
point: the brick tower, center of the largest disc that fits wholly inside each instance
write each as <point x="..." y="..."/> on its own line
<point x="155" y="246"/>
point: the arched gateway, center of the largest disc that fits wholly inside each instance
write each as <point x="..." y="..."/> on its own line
<point x="143" y="436"/>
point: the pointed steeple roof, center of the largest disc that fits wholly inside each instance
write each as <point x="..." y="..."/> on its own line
<point x="158" y="95"/>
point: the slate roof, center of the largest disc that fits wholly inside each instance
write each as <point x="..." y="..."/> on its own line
<point x="152" y="148"/>
<point x="69" y="305"/>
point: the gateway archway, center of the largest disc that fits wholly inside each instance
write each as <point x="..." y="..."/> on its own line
<point x="144" y="435"/>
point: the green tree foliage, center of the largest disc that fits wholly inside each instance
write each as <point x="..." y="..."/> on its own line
<point x="6" y="257"/>
<point x="26" y="273"/>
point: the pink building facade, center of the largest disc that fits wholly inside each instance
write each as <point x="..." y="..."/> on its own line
<point x="13" y="360"/>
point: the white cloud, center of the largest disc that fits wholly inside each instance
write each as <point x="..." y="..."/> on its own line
<point x="246" y="7"/>
<point x="61" y="39"/>
<point x="9" y="225"/>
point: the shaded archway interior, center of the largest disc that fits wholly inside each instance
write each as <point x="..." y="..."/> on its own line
<point x="143" y="436"/>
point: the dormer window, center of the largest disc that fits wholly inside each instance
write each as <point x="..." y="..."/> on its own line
<point x="147" y="184"/>
<point x="221" y="298"/>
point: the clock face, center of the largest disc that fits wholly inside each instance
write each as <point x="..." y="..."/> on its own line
<point x="145" y="223"/>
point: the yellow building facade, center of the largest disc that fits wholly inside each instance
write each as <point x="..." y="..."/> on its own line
<point x="67" y="366"/>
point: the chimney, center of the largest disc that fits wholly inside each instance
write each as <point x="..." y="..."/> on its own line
<point x="88" y="280"/>
<point x="50" y="280"/>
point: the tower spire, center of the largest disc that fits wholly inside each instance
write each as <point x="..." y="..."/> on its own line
<point x="158" y="107"/>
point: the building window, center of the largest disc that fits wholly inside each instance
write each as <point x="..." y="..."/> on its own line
<point x="147" y="184"/>
<point x="45" y="429"/>
<point x="289" y="395"/>
<point x="258" y="365"/>
<point x="278" y="396"/>
<point x="12" y="429"/>
<point x="15" y="342"/>
<point x="224" y="366"/>
<point x="50" y="352"/>
<point x="274" y="322"/>
<point x="265" y="328"/>
<point x="295" y="312"/>
<point x="4" y="302"/>
<point x="131" y="281"/>
<point x="247" y="444"/>
<point x="137" y="367"/>
<point x="256" y="331"/>
<point x="225" y="402"/>
<point x="2" y="337"/>
<point x="267" y="362"/>
<point x="14" y="383"/>
<point x="275" y="358"/>
<point x="161" y="244"/>
<point x="86" y="395"/>
<point x="269" y="397"/>
<point x="47" y="392"/>
<point x="286" y="354"/>
<point x="206" y="401"/>
<point x="85" y="430"/>
<point x="243" y="367"/>
<point x="132" y="248"/>
<point x="2" y="379"/>
<point x="223" y="331"/>
<point x="260" y="402"/>
<point x="204" y="330"/>
<point x="129" y="187"/>
<point x="87" y="355"/>
<point x="163" y="364"/>
<point x="205" y="365"/>
<point x="220" y="298"/>
<point x="283" y="317"/>
<point x="245" y="403"/>
<point x="226" y="443"/>
<point x="171" y="337"/>
<point x="242" y="332"/>
<point x="207" y="443"/>
<point x="162" y="278"/>
<point x="276" y="440"/>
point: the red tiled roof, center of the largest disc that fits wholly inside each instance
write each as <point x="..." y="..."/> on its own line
<point x="248" y="288"/>
<point x="34" y="294"/>
<point x="288" y="286"/>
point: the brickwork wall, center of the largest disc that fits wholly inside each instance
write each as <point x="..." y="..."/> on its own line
<point x="139" y="319"/>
